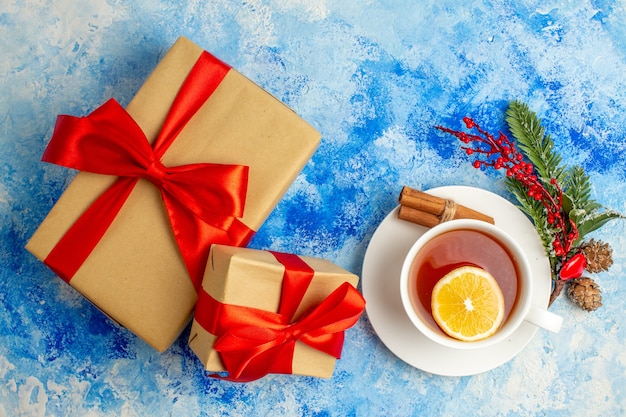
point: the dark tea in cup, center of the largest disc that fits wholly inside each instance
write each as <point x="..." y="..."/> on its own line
<point x="464" y="247"/>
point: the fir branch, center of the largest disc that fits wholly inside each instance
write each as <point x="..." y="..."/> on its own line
<point x="587" y="214"/>
<point x="584" y="213"/>
<point x="536" y="212"/>
<point x="538" y="147"/>
<point x="579" y="187"/>
<point x="526" y="127"/>
<point x="534" y="209"/>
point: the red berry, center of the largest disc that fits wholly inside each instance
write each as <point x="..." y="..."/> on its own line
<point x="573" y="267"/>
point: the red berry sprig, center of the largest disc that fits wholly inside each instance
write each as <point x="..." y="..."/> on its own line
<point x="501" y="153"/>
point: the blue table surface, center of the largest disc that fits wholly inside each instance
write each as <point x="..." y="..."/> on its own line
<point x="373" y="77"/>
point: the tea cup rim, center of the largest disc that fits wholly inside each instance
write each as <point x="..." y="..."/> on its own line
<point x="517" y="315"/>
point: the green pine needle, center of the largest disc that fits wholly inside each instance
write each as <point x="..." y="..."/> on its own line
<point x="526" y="128"/>
<point x="538" y="147"/>
<point x="536" y="211"/>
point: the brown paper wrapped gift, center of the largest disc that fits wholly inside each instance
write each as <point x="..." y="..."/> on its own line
<point x="135" y="274"/>
<point x="254" y="280"/>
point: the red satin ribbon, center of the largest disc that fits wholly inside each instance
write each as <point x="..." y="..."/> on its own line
<point x="203" y="201"/>
<point x="254" y="342"/>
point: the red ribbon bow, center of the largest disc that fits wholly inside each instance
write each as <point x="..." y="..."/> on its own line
<point x="253" y="342"/>
<point x="203" y="201"/>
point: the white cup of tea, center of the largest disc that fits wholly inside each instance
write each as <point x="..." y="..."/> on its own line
<point x="462" y="242"/>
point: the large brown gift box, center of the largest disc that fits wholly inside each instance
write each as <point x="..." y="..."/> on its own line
<point x="136" y="274"/>
<point x="253" y="278"/>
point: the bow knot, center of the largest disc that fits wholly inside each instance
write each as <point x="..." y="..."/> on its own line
<point x="156" y="172"/>
<point x="292" y="332"/>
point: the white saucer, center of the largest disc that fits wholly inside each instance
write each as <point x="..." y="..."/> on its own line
<point x="381" y="276"/>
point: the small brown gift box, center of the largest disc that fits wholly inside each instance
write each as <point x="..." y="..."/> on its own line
<point x="136" y="274"/>
<point x="253" y="278"/>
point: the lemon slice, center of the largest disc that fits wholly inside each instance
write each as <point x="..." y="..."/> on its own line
<point x="467" y="304"/>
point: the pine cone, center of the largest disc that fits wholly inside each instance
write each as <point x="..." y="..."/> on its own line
<point x="585" y="293"/>
<point x="599" y="256"/>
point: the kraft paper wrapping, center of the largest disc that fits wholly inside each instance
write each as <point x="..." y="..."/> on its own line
<point x="253" y="278"/>
<point x="136" y="275"/>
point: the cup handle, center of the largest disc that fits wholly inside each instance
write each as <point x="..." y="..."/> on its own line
<point x="545" y="319"/>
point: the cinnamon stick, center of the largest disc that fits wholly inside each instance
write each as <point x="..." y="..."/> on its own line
<point x="418" y="217"/>
<point x="429" y="210"/>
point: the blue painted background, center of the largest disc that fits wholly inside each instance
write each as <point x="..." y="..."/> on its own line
<point x="373" y="77"/>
